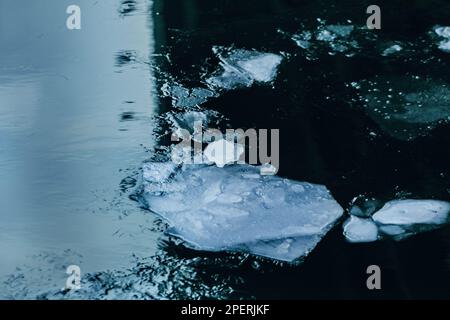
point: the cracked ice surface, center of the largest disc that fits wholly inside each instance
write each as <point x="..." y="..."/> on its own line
<point x="444" y="32"/>
<point x="235" y="208"/>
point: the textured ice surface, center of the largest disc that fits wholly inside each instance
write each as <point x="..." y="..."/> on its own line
<point x="241" y="68"/>
<point x="406" y="107"/>
<point x="444" y="33"/>
<point x="409" y="212"/>
<point x="360" y="230"/>
<point x="398" y="219"/>
<point x="223" y="152"/>
<point x="235" y="208"/>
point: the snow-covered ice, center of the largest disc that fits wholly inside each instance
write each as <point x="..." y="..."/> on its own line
<point x="236" y="208"/>
<point x="242" y="68"/>
<point x="360" y="230"/>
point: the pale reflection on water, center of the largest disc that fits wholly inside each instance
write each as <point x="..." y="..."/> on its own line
<point x="73" y="124"/>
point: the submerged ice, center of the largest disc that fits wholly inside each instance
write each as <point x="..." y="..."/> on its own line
<point x="235" y="208"/>
<point x="406" y="107"/>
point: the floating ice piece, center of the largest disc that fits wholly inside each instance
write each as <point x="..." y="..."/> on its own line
<point x="392" y="49"/>
<point x="334" y="38"/>
<point x="406" y="107"/>
<point x="444" y="32"/>
<point x="186" y="98"/>
<point x="268" y="169"/>
<point x="241" y="68"/>
<point x="409" y="212"/>
<point x="398" y="219"/>
<point x="235" y="208"/>
<point x="392" y="231"/>
<point x="360" y="230"/>
<point x="223" y="152"/>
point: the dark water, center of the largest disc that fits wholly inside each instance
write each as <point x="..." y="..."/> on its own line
<point x="72" y="136"/>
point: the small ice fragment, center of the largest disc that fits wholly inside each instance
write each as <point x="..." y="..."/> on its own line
<point x="341" y="30"/>
<point x="303" y="39"/>
<point x="410" y="212"/>
<point x="392" y="49"/>
<point x="444" y="45"/>
<point x="223" y="152"/>
<point x="184" y="97"/>
<point x="360" y="230"/>
<point x="443" y="32"/>
<point x="241" y="68"/>
<point x="268" y="170"/>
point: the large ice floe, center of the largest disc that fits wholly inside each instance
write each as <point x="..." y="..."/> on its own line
<point x="398" y="219"/>
<point x="406" y="107"/>
<point x="236" y="209"/>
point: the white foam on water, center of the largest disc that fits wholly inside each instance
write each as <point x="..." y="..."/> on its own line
<point x="235" y="208"/>
<point x="360" y="230"/>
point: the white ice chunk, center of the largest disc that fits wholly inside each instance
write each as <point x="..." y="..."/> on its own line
<point x="410" y="212"/>
<point x="360" y="230"/>
<point x="223" y="152"/>
<point x="443" y="32"/>
<point x="235" y="208"/>
<point x="241" y="68"/>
